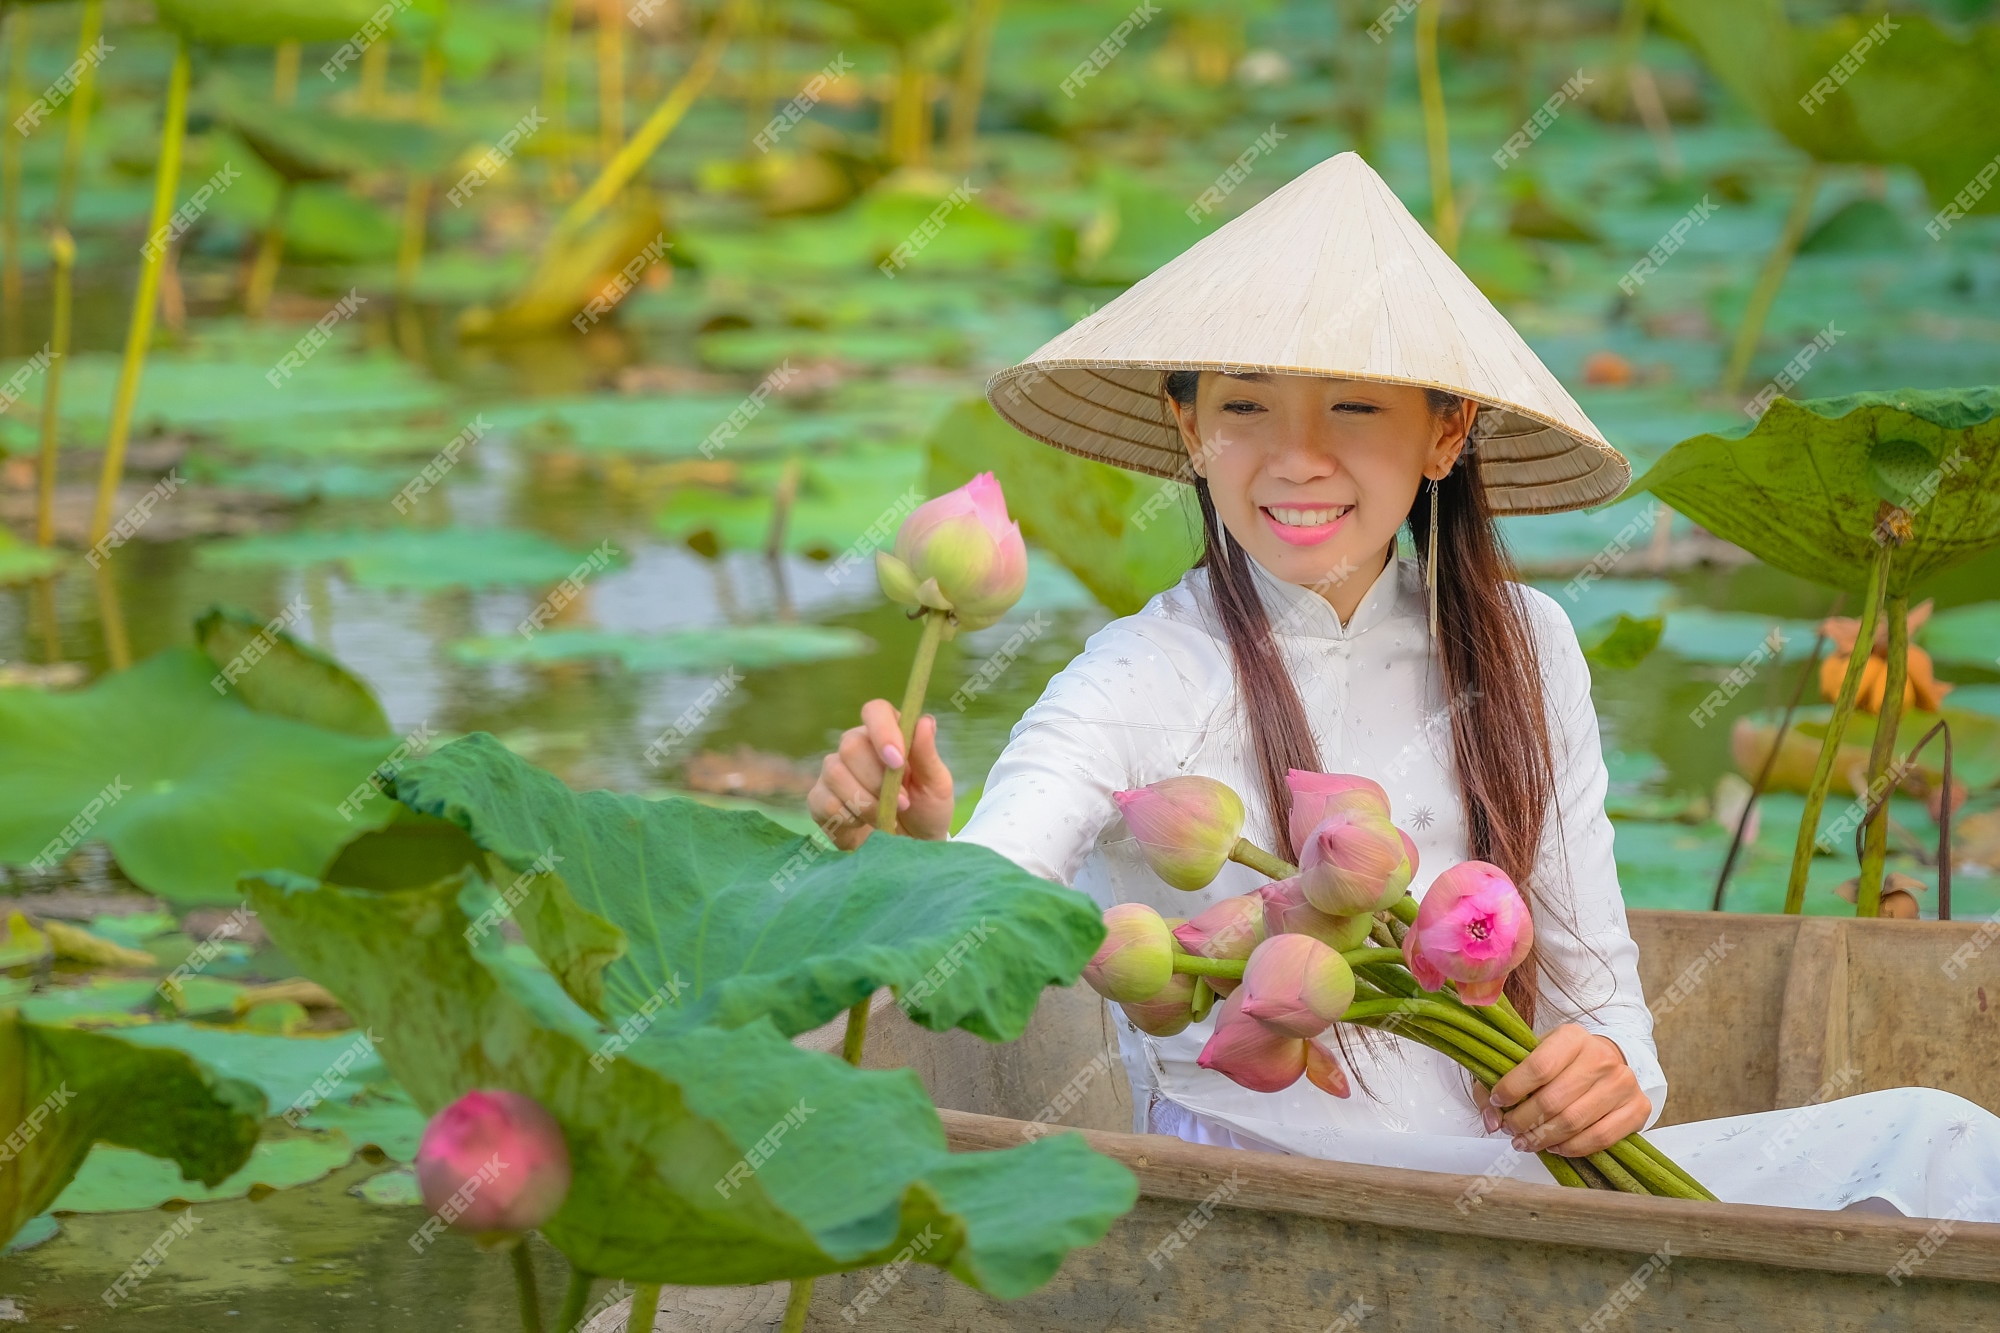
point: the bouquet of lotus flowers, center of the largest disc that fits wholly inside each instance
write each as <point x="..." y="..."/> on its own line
<point x="1334" y="939"/>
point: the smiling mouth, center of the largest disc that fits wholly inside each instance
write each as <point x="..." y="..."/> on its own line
<point x="1300" y="526"/>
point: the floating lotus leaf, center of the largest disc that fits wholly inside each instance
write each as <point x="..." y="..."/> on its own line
<point x="1124" y="536"/>
<point x="20" y="562"/>
<point x="312" y="145"/>
<point x="746" y="647"/>
<point x="66" y="1090"/>
<point x="1804" y="487"/>
<point x="1919" y="96"/>
<point x="846" y="504"/>
<point x="1623" y="643"/>
<point x="1964" y="635"/>
<point x="189" y="787"/>
<point x="410" y="557"/>
<point x="291" y="679"/>
<point x="707" y="938"/>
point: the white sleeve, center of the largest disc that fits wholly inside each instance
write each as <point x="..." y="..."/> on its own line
<point x="1596" y="965"/>
<point x="1123" y="714"/>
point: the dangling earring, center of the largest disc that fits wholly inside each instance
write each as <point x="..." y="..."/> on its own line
<point x="1431" y="567"/>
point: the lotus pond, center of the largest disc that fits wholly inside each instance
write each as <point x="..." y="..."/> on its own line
<point x="635" y="546"/>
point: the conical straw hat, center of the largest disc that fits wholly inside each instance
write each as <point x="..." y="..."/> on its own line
<point x="1328" y="276"/>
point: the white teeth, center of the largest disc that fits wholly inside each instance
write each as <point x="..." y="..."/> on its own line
<point x="1307" y="518"/>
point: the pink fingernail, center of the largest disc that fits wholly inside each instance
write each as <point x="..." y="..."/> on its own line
<point x="892" y="755"/>
<point x="1491" y="1119"/>
<point x="1520" y="1145"/>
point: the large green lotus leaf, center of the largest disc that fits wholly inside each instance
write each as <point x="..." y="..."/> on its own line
<point x="1802" y="488"/>
<point x="757" y="350"/>
<point x="896" y="22"/>
<point x="1921" y="96"/>
<point x="291" y="679"/>
<point x="266" y="22"/>
<point x="213" y="789"/>
<point x="78" y="1088"/>
<point x="849" y="502"/>
<point x="862" y="1166"/>
<point x="118" y="1180"/>
<point x="311" y="145"/>
<point x="419" y="558"/>
<point x="753" y="919"/>
<point x="746" y="647"/>
<point x="283" y="1068"/>
<point x="1123" y="535"/>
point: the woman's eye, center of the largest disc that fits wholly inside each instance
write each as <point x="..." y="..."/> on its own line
<point x="1242" y="406"/>
<point x="1366" y="409"/>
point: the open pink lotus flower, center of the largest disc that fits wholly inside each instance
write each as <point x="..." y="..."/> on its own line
<point x="1472" y="928"/>
<point x="1286" y="912"/>
<point x="1232" y="928"/>
<point x="1168" y="1012"/>
<point x="1355" y="862"/>
<point x="1185" y="826"/>
<point x="1136" y="960"/>
<point x="1251" y="1053"/>
<point x="958" y="553"/>
<point x="1296" y="985"/>
<point x="1313" y="794"/>
<point x="493" y="1164"/>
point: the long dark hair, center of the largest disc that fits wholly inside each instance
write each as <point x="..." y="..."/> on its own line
<point x="1486" y="651"/>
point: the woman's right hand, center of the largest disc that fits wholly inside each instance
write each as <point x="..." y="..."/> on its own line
<point x="843" y="800"/>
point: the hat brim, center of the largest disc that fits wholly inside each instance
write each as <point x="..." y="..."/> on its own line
<point x="1116" y="412"/>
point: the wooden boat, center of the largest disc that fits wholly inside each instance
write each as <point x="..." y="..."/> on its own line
<point x="1752" y="1012"/>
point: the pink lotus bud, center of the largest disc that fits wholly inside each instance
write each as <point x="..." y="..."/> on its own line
<point x="1136" y="960"/>
<point x="1187" y="827"/>
<point x="1313" y="794"/>
<point x="958" y="553"/>
<point x="498" y="1160"/>
<point x="1253" y="1054"/>
<point x="1168" y="1012"/>
<point x="1323" y="1068"/>
<point x="1297" y="985"/>
<point x="1286" y="912"/>
<point x="1233" y="928"/>
<point x="1354" y="863"/>
<point x="1472" y="928"/>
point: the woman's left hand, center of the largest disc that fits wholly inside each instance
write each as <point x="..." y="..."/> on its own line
<point x="1574" y="1095"/>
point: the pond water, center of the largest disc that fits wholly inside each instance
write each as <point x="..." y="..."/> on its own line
<point x="290" y="492"/>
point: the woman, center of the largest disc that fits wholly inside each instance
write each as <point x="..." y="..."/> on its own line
<point x="1325" y="376"/>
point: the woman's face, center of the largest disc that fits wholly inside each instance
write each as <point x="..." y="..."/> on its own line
<point x="1314" y="476"/>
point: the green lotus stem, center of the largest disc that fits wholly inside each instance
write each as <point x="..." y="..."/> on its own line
<point x="576" y="1299"/>
<point x="963" y="127"/>
<point x="610" y="79"/>
<point x="1503" y="1016"/>
<point x="79" y="110"/>
<point x="1563" y="1170"/>
<point x="1592" y="1177"/>
<point x="1404" y="909"/>
<point x="796" y="1306"/>
<point x="1442" y="1012"/>
<point x="1642" y="1168"/>
<point x="555" y="85"/>
<point x="625" y="164"/>
<point x="1203" y="999"/>
<point x="10" y="168"/>
<point x="1383" y="935"/>
<point x="1437" y="135"/>
<point x="375" y="76"/>
<point x="1764" y="770"/>
<point x="410" y="244"/>
<point x="140" y="334"/>
<point x="856" y="1035"/>
<point x="647" y="1299"/>
<point x="524" y="1287"/>
<point x="1391" y="981"/>
<point x="1364" y="957"/>
<point x="1882" y="755"/>
<point x="935" y="623"/>
<point x="1250" y="854"/>
<point x="1479" y="1050"/>
<point x="1645" y="1145"/>
<point x="1616" y="1174"/>
<point x="1402" y="1027"/>
<point x="1770" y="279"/>
<point x="270" y="254"/>
<point x="906" y="121"/>
<point x="1836" y="730"/>
<point x="64" y="251"/>
<point x="1194" y="965"/>
<point x="285" y="74"/>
